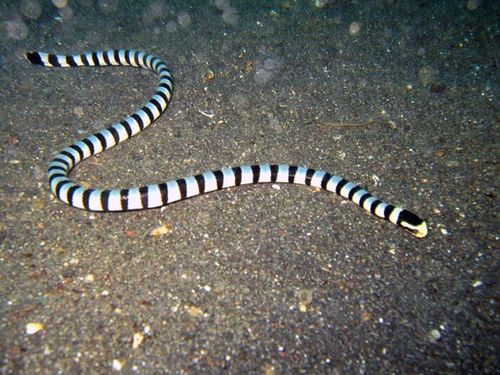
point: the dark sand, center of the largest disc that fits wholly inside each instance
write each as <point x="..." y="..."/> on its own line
<point x="228" y="288"/>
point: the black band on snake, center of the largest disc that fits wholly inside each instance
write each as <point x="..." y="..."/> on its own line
<point x="157" y="195"/>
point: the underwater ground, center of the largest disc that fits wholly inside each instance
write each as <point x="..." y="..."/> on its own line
<point x="400" y="96"/>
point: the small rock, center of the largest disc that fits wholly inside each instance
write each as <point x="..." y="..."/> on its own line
<point x="78" y="111"/>
<point x="305" y="297"/>
<point x="477" y="283"/>
<point x="34" y="327"/>
<point x="439" y="153"/>
<point x="194" y="311"/>
<point x="433" y="335"/>
<point x="147" y="330"/>
<point x="117" y="365"/>
<point x="208" y="76"/>
<point x="89" y="278"/>
<point x="365" y="316"/>
<point x="269" y="369"/>
<point x="161" y="230"/>
<point x="137" y="340"/>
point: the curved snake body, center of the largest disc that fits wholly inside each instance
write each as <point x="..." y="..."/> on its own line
<point x="157" y="195"/>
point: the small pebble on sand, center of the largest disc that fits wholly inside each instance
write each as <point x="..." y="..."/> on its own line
<point x="33" y="327"/>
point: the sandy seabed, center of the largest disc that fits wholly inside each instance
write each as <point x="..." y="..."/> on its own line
<point x="255" y="279"/>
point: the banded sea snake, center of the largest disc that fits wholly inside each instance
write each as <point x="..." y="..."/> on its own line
<point x="157" y="195"/>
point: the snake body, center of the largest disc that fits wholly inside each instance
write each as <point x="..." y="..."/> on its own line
<point x="157" y="195"/>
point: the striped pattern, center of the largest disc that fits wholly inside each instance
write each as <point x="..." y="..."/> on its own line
<point x="157" y="195"/>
